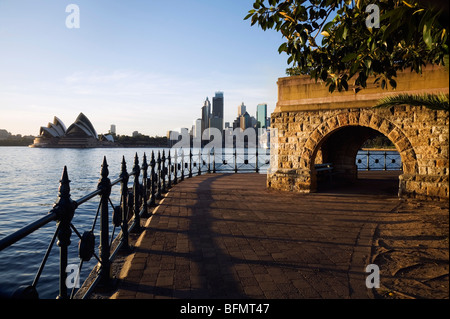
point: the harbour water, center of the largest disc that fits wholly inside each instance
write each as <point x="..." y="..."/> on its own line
<point x="29" y="182"/>
<point x="29" y="188"/>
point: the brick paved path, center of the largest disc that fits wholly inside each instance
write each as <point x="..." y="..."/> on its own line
<point x="228" y="236"/>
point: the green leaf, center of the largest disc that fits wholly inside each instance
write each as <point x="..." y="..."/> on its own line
<point x="344" y="32"/>
<point x="290" y="59"/>
<point x="282" y="48"/>
<point x="354" y="68"/>
<point x="249" y="15"/>
<point x="327" y="26"/>
<point x="349" y="57"/>
<point x="427" y="38"/>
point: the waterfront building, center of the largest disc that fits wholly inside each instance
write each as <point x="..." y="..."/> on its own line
<point x="113" y="129"/>
<point x="197" y="129"/>
<point x="242" y="109"/>
<point x="80" y="134"/>
<point x="206" y="114"/>
<point x="261" y="116"/>
<point x="216" y="122"/>
<point x="217" y="111"/>
<point x="245" y="121"/>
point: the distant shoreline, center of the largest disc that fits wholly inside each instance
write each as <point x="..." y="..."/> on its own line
<point x="378" y="149"/>
<point x="108" y="146"/>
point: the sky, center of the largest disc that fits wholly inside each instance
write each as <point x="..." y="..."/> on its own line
<point x="144" y="66"/>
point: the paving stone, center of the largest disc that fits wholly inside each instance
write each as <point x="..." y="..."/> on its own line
<point x="228" y="236"/>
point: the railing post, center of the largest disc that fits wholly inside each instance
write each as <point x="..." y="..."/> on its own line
<point x="170" y="170"/>
<point x="175" y="165"/>
<point x="65" y="209"/>
<point x="214" y="160"/>
<point x="152" y="175"/>
<point x="209" y="161"/>
<point x="190" y="162"/>
<point x="124" y="194"/>
<point x="200" y="162"/>
<point x="257" y="146"/>
<point x="158" y="191"/>
<point x="136" y="193"/>
<point x="235" y="161"/>
<point x="368" y="155"/>
<point x="163" y="172"/>
<point x="257" y="166"/>
<point x="182" y="165"/>
<point x="145" y="186"/>
<point x="105" y="186"/>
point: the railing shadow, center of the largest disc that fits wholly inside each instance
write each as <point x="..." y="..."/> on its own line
<point x="203" y="237"/>
<point x="158" y="176"/>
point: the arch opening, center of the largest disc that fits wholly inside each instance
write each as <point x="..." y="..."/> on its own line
<point x="359" y="157"/>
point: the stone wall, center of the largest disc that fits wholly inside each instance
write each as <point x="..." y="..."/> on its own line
<point x="420" y="135"/>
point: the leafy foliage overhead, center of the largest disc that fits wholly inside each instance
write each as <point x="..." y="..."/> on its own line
<point x="331" y="40"/>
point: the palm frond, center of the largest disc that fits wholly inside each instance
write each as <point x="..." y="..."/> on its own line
<point x="431" y="101"/>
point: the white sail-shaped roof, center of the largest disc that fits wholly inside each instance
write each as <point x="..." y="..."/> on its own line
<point x="82" y="126"/>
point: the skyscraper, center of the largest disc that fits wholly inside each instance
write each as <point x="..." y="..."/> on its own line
<point x="242" y="109"/>
<point x="245" y="121"/>
<point x="217" y="111"/>
<point x="261" y="115"/>
<point x="206" y="114"/>
<point x="196" y="130"/>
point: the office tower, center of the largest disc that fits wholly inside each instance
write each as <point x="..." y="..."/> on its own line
<point x="242" y="109"/>
<point x="245" y="121"/>
<point x="253" y="122"/>
<point x="216" y="122"/>
<point x="197" y="129"/>
<point x="113" y="129"/>
<point x="206" y="114"/>
<point x="261" y="115"/>
<point x="237" y="122"/>
<point x="217" y="111"/>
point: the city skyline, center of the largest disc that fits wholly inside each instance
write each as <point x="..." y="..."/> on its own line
<point x="212" y="116"/>
<point x="137" y="67"/>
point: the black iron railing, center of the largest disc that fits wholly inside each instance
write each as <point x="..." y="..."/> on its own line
<point x="158" y="176"/>
<point x="379" y="160"/>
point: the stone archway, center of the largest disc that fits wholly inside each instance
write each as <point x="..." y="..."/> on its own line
<point x="340" y="138"/>
<point x="307" y="115"/>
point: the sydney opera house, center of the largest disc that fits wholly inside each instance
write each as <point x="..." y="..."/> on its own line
<point x="81" y="134"/>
